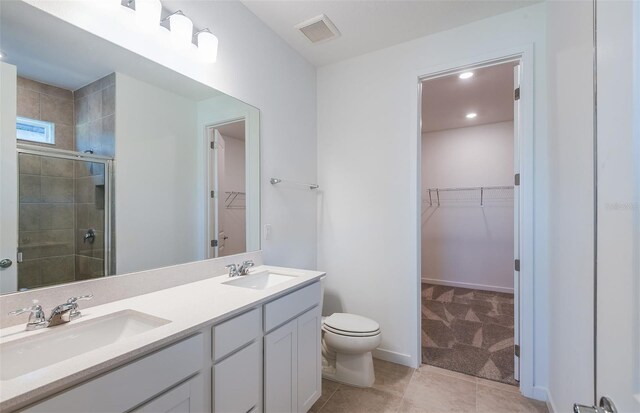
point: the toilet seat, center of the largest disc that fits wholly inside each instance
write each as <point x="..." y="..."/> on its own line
<point x="350" y="325"/>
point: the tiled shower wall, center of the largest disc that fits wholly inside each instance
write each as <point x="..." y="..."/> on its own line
<point x="48" y="103"/>
<point x="95" y="108"/>
<point x="59" y="199"/>
<point x="46" y="221"/>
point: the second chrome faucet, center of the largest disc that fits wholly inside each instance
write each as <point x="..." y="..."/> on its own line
<point x="242" y="269"/>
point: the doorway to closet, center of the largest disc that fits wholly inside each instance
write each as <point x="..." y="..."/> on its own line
<point x="470" y="221"/>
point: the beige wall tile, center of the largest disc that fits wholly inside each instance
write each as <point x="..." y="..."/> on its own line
<point x="55" y="189"/>
<point x="56" y="110"/>
<point x="28" y="105"/>
<point x="95" y="105"/>
<point x="56" y="270"/>
<point x="57" y="216"/>
<point x="29" y="274"/>
<point x="29" y="188"/>
<point x="29" y="164"/>
<point x="57" y="167"/>
<point x="109" y="101"/>
<point x="64" y="137"/>
<point x="29" y="217"/>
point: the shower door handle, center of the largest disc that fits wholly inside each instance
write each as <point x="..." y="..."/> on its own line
<point x="5" y="263"/>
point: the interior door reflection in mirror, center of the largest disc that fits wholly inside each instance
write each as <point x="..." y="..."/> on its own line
<point x="115" y="164"/>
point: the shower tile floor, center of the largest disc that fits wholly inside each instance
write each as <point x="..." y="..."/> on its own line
<point x="468" y="331"/>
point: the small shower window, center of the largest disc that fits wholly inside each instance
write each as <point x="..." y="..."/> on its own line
<point x="35" y="131"/>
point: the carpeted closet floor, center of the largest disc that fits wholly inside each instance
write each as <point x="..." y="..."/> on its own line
<point x="469" y="331"/>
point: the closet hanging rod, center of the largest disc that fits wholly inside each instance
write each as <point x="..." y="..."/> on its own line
<point x="469" y="188"/>
<point x="275" y="181"/>
<point x="482" y="190"/>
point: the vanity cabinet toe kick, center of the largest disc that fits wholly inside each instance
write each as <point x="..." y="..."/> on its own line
<point x="267" y="359"/>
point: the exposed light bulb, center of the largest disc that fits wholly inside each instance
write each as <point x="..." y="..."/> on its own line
<point x="148" y="14"/>
<point x="471" y="115"/>
<point x="465" y="75"/>
<point x="207" y="46"/>
<point x="181" y="29"/>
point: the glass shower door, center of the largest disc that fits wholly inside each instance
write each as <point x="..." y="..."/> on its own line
<point x="63" y="211"/>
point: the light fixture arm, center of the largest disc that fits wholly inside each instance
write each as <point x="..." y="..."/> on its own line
<point x="179" y="12"/>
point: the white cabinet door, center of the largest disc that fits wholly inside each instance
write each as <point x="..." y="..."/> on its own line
<point x="237" y="381"/>
<point x="281" y="370"/>
<point x="186" y="398"/>
<point x="309" y="359"/>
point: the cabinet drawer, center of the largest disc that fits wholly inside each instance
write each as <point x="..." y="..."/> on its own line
<point x="284" y="309"/>
<point x="235" y="333"/>
<point x="132" y="384"/>
<point x="237" y="381"/>
<point x="187" y="397"/>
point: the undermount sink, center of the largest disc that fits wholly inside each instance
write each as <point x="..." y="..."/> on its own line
<point x="259" y="280"/>
<point x="59" y="343"/>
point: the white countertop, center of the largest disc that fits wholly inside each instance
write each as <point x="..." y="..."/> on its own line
<point x="188" y="307"/>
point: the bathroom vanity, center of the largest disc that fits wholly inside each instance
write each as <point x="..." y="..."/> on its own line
<point x="242" y="344"/>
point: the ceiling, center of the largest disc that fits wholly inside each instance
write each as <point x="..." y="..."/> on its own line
<point x="371" y="25"/>
<point x="489" y="93"/>
<point x="232" y="130"/>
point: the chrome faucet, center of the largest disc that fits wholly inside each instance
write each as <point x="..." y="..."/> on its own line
<point x="245" y="267"/>
<point x="61" y="314"/>
<point x="233" y="270"/>
<point x="242" y="269"/>
<point x="36" y="316"/>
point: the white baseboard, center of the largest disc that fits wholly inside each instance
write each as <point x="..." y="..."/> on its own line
<point x="393" y="357"/>
<point x="467" y="285"/>
<point x="550" y="405"/>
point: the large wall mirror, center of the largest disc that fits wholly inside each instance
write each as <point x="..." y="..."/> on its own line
<point x="111" y="163"/>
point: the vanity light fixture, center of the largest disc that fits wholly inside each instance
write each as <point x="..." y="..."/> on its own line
<point x="471" y="115"/>
<point x="180" y="28"/>
<point x="148" y="16"/>
<point x="148" y="13"/>
<point x="465" y="75"/>
<point x="207" y="45"/>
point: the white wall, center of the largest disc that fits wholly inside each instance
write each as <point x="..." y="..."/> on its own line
<point x="368" y="172"/>
<point x="257" y="67"/>
<point x="570" y="80"/>
<point x="156" y="173"/>
<point x="465" y="244"/>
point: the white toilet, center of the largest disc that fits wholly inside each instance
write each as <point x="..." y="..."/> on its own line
<point x="347" y="343"/>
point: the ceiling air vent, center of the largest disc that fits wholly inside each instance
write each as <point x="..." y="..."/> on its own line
<point x="318" y="29"/>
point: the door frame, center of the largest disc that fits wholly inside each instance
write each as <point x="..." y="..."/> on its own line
<point x="524" y="54"/>
<point x="209" y="207"/>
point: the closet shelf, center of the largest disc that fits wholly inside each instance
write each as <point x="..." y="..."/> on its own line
<point x="235" y="200"/>
<point x="436" y="196"/>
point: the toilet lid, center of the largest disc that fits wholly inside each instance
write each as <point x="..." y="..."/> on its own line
<point x="351" y="323"/>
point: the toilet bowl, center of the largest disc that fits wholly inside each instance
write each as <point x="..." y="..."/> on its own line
<point x="347" y="343"/>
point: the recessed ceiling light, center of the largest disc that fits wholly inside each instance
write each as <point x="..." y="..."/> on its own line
<point x="471" y="115"/>
<point x="465" y="75"/>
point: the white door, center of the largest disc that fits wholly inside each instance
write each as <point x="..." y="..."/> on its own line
<point x="8" y="180"/>
<point x="281" y="370"/>
<point x="216" y="201"/>
<point x="309" y="359"/>
<point x="516" y="221"/>
<point x="618" y="218"/>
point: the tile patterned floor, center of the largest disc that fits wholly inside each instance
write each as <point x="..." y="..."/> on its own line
<point x="400" y="389"/>
<point x="468" y="331"/>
